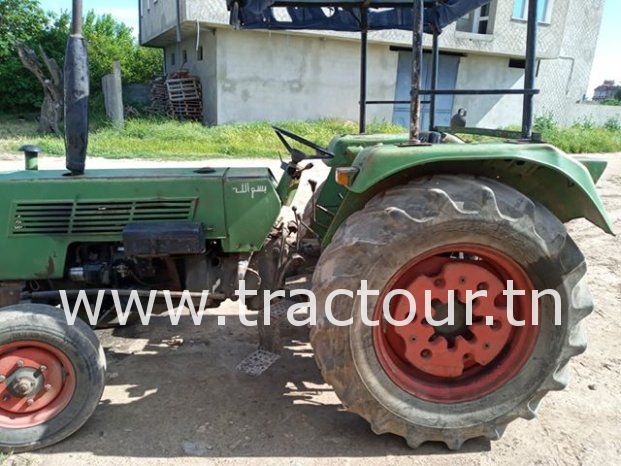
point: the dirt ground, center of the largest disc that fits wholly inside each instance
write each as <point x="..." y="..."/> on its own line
<point x="190" y="405"/>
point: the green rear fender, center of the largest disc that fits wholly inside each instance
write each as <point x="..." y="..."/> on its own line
<point x="540" y="171"/>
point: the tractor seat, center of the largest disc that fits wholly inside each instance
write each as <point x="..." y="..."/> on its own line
<point x="431" y="137"/>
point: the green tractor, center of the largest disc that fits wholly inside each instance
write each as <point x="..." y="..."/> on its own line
<point x="418" y="211"/>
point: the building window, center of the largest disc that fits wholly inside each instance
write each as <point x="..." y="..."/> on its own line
<point x="172" y="59"/>
<point x="199" y="53"/>
<point x="478" y="21"/>
<point x="185" y="57"/>
<point x="520" y="64"/>
<point x="517" y="63"/>
<point x="544" y="10"/>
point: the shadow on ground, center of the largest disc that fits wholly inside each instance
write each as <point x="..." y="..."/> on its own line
<point x="168" y="401"/>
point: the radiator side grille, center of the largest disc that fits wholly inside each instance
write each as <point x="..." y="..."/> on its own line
<point x="97" y="218"/>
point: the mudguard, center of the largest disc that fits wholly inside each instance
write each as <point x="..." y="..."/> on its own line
<point x="559" y="182"/>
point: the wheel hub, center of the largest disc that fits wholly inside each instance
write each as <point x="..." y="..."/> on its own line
<point x="37" y="381"/>
<point x="447" y="330"/>
<point x="25" y="382"/>
<point x="455" y="361"/>
<point x="447" y="350"/>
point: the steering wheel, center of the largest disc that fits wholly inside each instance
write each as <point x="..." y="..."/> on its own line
<point x="297" y="155"/>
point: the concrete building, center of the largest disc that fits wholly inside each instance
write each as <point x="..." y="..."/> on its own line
<point x="262" y="75"/>
<point x="608" y="90"/>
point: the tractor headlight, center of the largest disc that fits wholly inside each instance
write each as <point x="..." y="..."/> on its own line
<point x="345" y="175"/>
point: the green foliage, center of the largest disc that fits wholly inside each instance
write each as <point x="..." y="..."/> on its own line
<point x="615" y="102"/>
<point x="108" y="40"/>
<point x="20" y="20"/>
<point x="584" y="137"/>
<point x="164" y="139"/>
<point x="586" y="124"/>
<point x="581" y="140"/>
<point x="618" y="96"/>
<point x="613" y="124"/>
<point x="159" y="138"/>
<point x="545" y="123"/>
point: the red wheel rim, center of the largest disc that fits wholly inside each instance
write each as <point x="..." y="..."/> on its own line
<point x="452" y="364"/>
<point x="38" y="381"/>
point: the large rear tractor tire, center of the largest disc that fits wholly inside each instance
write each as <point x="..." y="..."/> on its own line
<point x="453" y="382"/>
<point x="52" y="376"/>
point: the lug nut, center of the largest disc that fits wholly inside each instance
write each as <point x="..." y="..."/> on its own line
<point x="47" y="387"/>
<point x="2" y="378"/>
<point x="43" y="368"/>
<point x="20" y="363"/>
<point x="29" y="401"/>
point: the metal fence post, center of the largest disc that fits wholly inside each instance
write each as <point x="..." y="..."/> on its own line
<point x="530" y="69"/>
<point x="417" y="60"/>
<point x="364" y="24"/>
<point x="434" y="80"/>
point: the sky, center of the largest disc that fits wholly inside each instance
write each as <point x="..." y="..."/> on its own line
<point x="607" y="64"/>
<point x="123" y="10"/>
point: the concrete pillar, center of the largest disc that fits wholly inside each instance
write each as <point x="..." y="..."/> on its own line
<point x="113" y="95"/>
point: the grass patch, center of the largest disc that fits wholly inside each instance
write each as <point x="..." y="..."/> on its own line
<point x="6" y="459"/>
<point x="580" y="138"/>
<point x="158" y="138"/>
<point x="165" y="139"/>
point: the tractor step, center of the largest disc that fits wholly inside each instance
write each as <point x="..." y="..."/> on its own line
<point x="270" y="339"/>
<point x="257" y="362"/>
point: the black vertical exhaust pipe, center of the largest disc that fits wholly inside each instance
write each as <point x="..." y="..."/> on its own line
<point x="76" y="95"/>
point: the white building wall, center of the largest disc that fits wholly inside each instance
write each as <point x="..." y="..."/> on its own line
<point x="563" y="75"/>
<point x="488" y="72"/>
<point x="157" y="17"/>
<point x="592" y="113"/>
<point x="279" y="76"/>
<point x="275" y="76"/>
<point x="508" y="39"/>
<point x="565" y="79"/>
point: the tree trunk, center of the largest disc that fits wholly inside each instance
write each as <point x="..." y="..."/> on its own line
<point x="52" y="107"/>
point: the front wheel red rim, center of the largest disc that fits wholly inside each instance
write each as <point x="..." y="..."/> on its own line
<point x="458" y="363"/>
<point x="37" y="383"/>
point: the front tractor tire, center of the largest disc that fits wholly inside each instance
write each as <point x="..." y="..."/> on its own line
<point x="52" y="376"/>
<point x="449" y="383"/>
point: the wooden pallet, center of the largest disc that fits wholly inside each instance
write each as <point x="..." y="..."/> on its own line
<point x="183" y="89"/>
<point x="178" y="95"/>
